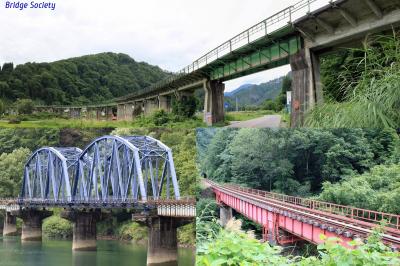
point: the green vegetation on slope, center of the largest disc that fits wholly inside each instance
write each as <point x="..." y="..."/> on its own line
<point x="81" y="80"/>
<point x="361" y="86"/>
<point x="232" y="246"/>
<point x="294" y="162"/>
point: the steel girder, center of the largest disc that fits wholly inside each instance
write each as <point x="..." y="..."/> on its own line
<point x="47" y="173"/>
<point x="110" y="168"/>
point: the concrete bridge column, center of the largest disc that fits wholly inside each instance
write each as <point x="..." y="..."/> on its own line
<point x="163" y="244"/>
<point x="306" y="84"/>
<point x="129" y="111"/>
<point x="10" y="225"/>
<point x="121" y="112"/>
<point x="109" y="112"/>
<point x="164" y="103"/>
<point x="213" y="102"/>
<point x="84" y="230"/>
<point x="137" y="109"/>
<point x="150" y="106"/>
<point x="32" y="223"/>
<point x="225" y="214"/>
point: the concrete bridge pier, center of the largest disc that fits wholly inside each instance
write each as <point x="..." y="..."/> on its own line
<point x="164" y="103"/>
<point x="225" y="214"/>
<point x="163" y="243"/>
<point x="306" y="84"/>
<point x="213" y="102"/>
<point x="109" y="113"/>
<point x="121" y="111"/>
<point x="84" y="230"/>
<point x="150" y="106"/>
<point x="10" y="224"/>
<point x="32" y="223"/>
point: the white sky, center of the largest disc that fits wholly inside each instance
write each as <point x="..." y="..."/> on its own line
<point x="167" y="33"/>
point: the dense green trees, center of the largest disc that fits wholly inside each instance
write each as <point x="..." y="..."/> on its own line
<point x="292" y="161"/>
<point x="378" y="189"/>
<point x="80" y="80"/>
<point x="11" y="169"/>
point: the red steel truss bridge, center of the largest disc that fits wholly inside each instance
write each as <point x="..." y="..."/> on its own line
<point x="287" y="219"/>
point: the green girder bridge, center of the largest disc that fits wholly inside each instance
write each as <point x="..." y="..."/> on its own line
<point x="298" y="35"/>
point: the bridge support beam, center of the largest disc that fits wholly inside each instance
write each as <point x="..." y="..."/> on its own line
<point x="225" y="214"/>
<point x="32" y="223"/>
<point x="213" y="102"/>
<point x="306" y="84"/>
<point x="10" y="225"/>
<point x="163" y="243"/>
<point x="84" y="230"/>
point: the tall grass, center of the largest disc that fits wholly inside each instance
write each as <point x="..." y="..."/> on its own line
<point x="370" y="83"/>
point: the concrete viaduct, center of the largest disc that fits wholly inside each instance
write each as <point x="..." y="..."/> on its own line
<point x="132" y="174"/>
<point x="297" y="35"/>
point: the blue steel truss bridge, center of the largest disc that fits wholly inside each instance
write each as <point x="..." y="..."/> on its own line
<point x="135" y="174"/>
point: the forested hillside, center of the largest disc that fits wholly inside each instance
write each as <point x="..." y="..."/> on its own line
<point x="253" y="95"/>
<point x="346" y="165"/>
<point x="86" y="79"/>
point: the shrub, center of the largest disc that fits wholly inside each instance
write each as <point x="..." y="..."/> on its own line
<point x="56" y="227"/>
<point x="160" y="118"/>
<point x="24" y="106"/>
<point x="185" y="107"/>
<point x="14" y="120"/>
<point x="131" y="231"/>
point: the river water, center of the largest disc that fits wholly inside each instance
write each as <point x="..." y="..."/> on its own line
<point x="59" y="253"/>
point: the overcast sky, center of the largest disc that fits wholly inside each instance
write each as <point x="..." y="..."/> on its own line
<point x="167" y="33"/>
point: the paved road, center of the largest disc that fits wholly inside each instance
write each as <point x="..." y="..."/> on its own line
<point x="261" y="122"/>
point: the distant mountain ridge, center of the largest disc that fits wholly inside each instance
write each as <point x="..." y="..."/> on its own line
<point x="254" y="95"/>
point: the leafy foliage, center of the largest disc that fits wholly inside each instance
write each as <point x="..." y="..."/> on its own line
<point x="185" y="106"/>
<point x="56" y="227"/>
<point x="235" y="247"/>
<point x="80" y="80"/>
<point x="11" y="169"/>
<point x="378" y="189"/>
<point x="362" y="86"/>
<point x="292" y="161"/>
<point x="24" y="106"/>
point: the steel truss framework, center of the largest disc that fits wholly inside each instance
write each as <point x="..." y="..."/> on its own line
<point x="110" y="168"/>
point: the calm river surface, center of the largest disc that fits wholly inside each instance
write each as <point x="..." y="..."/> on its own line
<point x="59" y="253"/>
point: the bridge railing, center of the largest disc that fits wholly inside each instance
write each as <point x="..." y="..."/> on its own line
<point x="262" y="29"/>
<point x="392" y="220"/>
<point x="70" y="201"/>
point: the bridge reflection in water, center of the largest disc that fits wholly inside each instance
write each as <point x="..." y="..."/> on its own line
<point x="287" y="219"/>
<point x="131" y="173"/>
